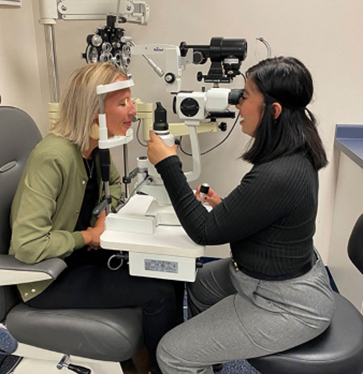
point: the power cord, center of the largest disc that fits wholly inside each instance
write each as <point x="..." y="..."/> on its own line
<point x="180" y="139"/>
<point x="214" y="147"/>
<point x="119" y="207"/>
<point x="138" y="134"/>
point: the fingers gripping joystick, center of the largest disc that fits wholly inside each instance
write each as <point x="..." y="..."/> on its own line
<point x="204" y="188"/>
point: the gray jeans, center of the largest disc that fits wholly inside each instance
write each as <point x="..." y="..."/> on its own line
<point x="237" y="317"/>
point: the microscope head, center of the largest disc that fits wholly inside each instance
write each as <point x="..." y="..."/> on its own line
<point x="226" y="56"/>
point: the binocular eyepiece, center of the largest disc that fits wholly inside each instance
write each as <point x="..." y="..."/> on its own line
<point x="235" y="96"/>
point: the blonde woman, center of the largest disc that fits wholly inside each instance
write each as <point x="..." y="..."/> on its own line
<point x="51" y="214"/>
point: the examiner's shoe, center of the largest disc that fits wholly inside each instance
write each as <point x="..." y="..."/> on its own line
<point x="7" y="343"/>
<point x="217" y="367"/>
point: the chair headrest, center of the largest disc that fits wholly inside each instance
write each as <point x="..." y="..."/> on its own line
<point x="18" y="136"/>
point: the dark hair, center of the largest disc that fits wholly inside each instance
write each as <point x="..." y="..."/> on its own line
<point x="287" y="81"/>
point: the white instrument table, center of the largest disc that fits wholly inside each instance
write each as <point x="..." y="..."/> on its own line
<point x="167" y="240"/>
<point x="167" y="253"/>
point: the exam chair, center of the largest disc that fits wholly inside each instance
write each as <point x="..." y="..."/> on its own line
<point x="337" y="350"/>
<point x="94" y="336"/>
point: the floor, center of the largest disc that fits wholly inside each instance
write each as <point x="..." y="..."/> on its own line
<point x="238" y="367"/>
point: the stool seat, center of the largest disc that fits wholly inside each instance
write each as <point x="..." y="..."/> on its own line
<point x="337" y="350"/>
<point x="100" y="334"/>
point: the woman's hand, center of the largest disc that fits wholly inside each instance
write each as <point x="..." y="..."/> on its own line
<point x="158" y="150"/>
<point x="92" y="234"/>
<point x="211" y="197"/>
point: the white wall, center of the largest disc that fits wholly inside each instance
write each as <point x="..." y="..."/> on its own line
<point x="19" y="71"/>
<point x="326" y="35"/>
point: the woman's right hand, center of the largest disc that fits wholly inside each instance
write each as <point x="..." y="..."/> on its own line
<point x="92" y="234"/>
<point x="211" y="197"/>
<point x="158" y="150"/>
<point x="92" y="237"/>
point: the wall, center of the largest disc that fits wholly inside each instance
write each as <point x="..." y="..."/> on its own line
<point x="325" y="35"/>
<point x="19" y="71"/>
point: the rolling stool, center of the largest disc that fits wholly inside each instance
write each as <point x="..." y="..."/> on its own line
<point x="337" y="350"/>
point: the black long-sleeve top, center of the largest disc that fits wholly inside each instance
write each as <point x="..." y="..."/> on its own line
<point x="268" y="219"/>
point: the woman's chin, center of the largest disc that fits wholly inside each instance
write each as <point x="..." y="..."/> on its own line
<point x="124" y="130"/>
<point x="121" y="132"/>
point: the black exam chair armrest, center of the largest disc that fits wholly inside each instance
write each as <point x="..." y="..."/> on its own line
<point x="51" y="267"/>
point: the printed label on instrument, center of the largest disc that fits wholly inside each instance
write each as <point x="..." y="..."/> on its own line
<point x="164" y="266"/>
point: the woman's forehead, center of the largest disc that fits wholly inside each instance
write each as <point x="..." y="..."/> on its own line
<point x="120" y="94"/>
<point x="250" y="85"/>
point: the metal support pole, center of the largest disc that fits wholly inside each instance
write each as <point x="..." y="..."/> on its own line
<point x="51" y="63"/>
<point x="126" y="168"/>
<point x="107" y="194"/>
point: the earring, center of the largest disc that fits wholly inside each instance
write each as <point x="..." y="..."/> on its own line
<point x="95" y="131"/>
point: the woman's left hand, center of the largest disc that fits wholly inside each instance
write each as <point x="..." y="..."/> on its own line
<point x="158" y="150"/>
<point x="99" y="228"/>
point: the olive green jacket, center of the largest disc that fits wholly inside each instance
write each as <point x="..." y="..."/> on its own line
<point x="47" y="204"/>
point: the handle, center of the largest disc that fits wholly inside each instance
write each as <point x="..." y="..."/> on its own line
<point x="79" y="369"/>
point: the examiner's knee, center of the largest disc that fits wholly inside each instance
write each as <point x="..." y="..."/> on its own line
<point x="164" y="354"/>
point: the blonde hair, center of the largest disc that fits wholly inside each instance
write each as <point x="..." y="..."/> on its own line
<point x="79" y="103"/>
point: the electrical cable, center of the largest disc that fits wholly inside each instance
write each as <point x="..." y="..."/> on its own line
<point x="217" y="145"/>
<point x="119" y="207"/>
<point x="214" y="147"/>
<point x="138" y="133"/>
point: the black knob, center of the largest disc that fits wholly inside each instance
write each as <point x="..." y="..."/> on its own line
<point x="200" y="76"/>
<point x="198" y="58"/>
<point x="110" y="19"/>
<point x="189" y="107"/>
<point x="222" y="126"/>
<point x="183" y="49"/>
<point x="126" y="180"/>
<point x="79" y="369"/>
<point x="160" y="122"/>
<point x="169" y="78"/>
<point x="199" y="263"/>
<point x="204" y="188"/>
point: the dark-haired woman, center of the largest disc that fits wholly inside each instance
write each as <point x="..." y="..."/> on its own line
<point x="274" y="293"/>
